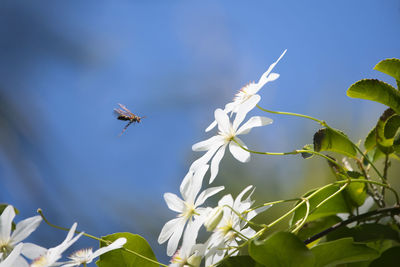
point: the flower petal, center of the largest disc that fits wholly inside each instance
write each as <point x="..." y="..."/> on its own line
<point x="203" y="160"/>
<point x="211" y="126"/>
<point x="32" y="251"/>
<point x="224" y="125"/>
<point x="255" y="121"/>
<point x="176" y="236"/>
<point x="14" y="257"/>
<point x="215" y="162"/>
<point x="255" y="212"/>
<point x="239" y="153"/>
<point x="195" y="185"/>
<point x="207" y="144"/>
<point x="248" y="232"/>
<point x="168" y="229"/>
<point x="24" y="228"/>
<point x="207" y="193"/>
<point x="244" y="109"/>
<point x="114" y="245"/>
<point x="6" y="219"/>
<point x="174" y="202"/>
<point x="264" y="78"/>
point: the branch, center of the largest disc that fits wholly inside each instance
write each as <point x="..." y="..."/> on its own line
<point x="393" y="211"/>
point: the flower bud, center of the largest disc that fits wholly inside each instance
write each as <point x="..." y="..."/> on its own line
<point x="213" y="218"/>
<point x="194" y="260"/>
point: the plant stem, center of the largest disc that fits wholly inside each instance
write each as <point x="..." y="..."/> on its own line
<point x="323" y="123"/>
<point x="393" y="210"/>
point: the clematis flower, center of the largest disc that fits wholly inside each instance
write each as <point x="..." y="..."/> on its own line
<point x="216" y="145"/>
<point x="188" y="209"/>
<point x="225" y="236"/>
<point x="12" y="257"/>
<point x="84" y="256"/>
<point x="8" y="240"/>
<point x="249" y="91"/>
<point x="52" y="255"/>
<point x="190" y="254"/>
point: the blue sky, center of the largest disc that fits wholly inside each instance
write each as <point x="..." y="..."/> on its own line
<point x="65" y="66"/>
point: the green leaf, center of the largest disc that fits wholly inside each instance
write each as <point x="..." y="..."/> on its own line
<point x="390" y="66"/>
<point x="389" y="258"/>
<point x="370" y="140"/>
<point x="357" y="191"/>
<point x="328" y="139"/>
<point x="386" y="129"/>
<point x="240" y="261"/>
<point x="375" y="90"/>
<point x="342" y="251"/>
<point x="314" y="227"/>
<point x="335" y="205"/>
<point x="281" y="249"/>
<point x="119" y="257"/>
<point x="366" y="233"/>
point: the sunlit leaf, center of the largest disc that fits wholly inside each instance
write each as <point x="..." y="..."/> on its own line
<point x="390" y="66"/>
<point x="378" y="91"/>
<point x="370" y="140"/>
<point x="281" y="249"/>
<point x="328" y="139"/>
<point x="118" y="257"/>
<point x="386" y="129"/>
<point x="357" y="191"/>
<point x="342" y="251"/>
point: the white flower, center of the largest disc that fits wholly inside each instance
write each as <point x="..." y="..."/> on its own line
<point x="188" y="209"/>
<point x="50" y="257"/>
<point x="225" y="234"/>
<point x="23" y="229"/>
<point x="215" y="146"/>
<point x="249" y="90"/>
<point x="84" y="256"/>
<point x="10" y="261"/>
<point x="190" y="254"/>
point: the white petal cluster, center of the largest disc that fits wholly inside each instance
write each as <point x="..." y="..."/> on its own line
<point x="52" y="255"/>
<point x="84" y="256"/>
<point x="9" y="240"/>
<point x="227" y="227"/>
<point x="228" y="132"/>
<point x="188" y="209"/>
<point x="225" y="235"/>
<point x="249" y="91"/>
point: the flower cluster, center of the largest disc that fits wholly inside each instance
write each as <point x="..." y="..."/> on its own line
<point x="13" y="252"/>
<point x="228" y="222"/>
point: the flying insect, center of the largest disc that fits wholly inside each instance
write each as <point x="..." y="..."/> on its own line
<point x="125" y="114"/>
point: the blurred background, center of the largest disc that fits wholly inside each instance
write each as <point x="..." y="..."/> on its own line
<point x="64" y="66"/>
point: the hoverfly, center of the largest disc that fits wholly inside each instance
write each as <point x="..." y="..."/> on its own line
<point x="125" y="114"/>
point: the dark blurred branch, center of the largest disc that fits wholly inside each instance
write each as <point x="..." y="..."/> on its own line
<point x="393" y="211"/>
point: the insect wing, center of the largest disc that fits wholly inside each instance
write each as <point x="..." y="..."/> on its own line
<point x="125" y="110"/>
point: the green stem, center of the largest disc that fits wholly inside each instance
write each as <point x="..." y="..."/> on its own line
<point x="295" y="152"/>
<point x="304" y="219"/>
<point x="96" y="238"/>
<point x="323" y="123"/>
